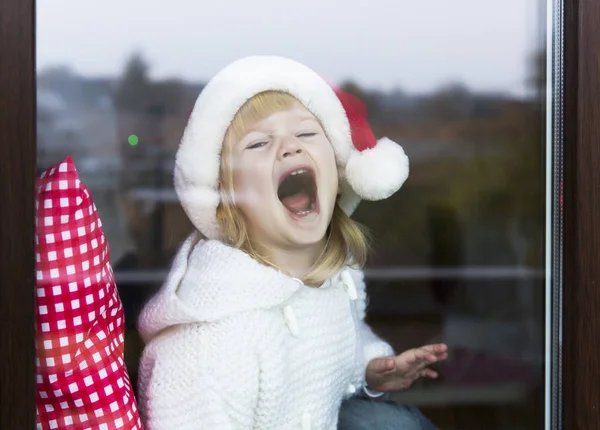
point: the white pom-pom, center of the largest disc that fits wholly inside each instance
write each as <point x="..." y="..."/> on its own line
<point x="377" y="173"/>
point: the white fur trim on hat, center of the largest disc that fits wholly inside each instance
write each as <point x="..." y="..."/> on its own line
<point x="197" y="164"/>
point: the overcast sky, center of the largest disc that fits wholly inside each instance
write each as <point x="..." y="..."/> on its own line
<point x="415" y="45"/>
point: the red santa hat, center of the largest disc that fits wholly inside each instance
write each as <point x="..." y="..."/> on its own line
<point x="369" y="169"/>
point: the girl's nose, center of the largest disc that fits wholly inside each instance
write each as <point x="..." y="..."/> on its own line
<point x="289" y="148"/>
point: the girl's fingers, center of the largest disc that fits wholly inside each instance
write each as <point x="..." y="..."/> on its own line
<point x="391" y="382"/>
<point x="428" y="357"/>
<point x="422" y="373"/>
<point x="428" y="373"/>
<point x="382" y="365"/>
<point x="437" y="349"/>
<point x="424" y="356"/>
<point x="415" y="357"/>
<point x="412" y="361"/>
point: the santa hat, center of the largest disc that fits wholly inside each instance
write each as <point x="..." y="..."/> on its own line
<point x="369" y="169"/>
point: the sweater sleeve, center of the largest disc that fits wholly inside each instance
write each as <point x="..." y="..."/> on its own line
<point x="373" y="345"/>
<point x="191" y="380"/>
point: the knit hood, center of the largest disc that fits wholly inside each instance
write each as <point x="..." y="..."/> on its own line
<point x="209" y="281"/>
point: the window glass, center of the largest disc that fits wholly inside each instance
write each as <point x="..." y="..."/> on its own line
<point x="458" y="253"/>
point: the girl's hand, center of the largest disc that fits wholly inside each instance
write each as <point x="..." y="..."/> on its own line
<point x="386" y="374"/>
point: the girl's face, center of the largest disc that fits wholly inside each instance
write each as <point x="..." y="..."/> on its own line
<point x="285" y="179"/>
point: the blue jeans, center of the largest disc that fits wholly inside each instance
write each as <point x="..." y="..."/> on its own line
<point x="360" y="413"/>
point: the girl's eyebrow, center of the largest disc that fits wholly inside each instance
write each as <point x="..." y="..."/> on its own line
<point x="252" y="132"/>
<point x="308" y="118"/>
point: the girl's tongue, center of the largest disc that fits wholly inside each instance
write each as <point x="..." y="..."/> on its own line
<point x="299" y="202"/>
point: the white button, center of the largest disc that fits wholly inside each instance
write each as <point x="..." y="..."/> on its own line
<point x="290" y="319"/>
<point x="306" y="424"/>
<point x="350" y="286"/>
<point x="351" y="389"/>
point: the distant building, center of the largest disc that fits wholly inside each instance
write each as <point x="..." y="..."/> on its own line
<point x="76" y="118"/>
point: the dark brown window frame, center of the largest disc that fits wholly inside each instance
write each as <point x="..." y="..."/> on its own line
<point x="17" y="228"/>
<point x="581" y="262"/>
<point x="580" y="389"/>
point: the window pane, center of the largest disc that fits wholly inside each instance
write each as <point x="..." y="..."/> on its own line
<point x="458" y="253"/>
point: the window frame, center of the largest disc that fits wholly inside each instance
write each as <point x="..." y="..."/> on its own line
<point x="577" y="123"/>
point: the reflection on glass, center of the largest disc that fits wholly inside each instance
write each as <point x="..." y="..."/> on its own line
<point x="459" y="250"/>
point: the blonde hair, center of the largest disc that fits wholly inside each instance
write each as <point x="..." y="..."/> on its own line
<point x="346" y="243"/>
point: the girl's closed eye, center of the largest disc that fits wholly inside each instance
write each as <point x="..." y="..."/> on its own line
<point x="307" y="134"/>
<point x="255" y="145"/>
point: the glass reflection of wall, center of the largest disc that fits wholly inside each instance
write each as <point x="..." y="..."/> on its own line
<point x="458" y="252"/>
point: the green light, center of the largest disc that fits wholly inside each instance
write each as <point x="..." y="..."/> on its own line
<point x="133" y="140"/>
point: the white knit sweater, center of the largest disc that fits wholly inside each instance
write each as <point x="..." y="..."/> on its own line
<point x="232" y="344"/>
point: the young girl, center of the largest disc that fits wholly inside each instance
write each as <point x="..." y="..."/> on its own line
<point x="260" y="324"/>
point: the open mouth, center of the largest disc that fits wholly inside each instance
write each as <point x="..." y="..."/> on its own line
<point x="298" y="192"/>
